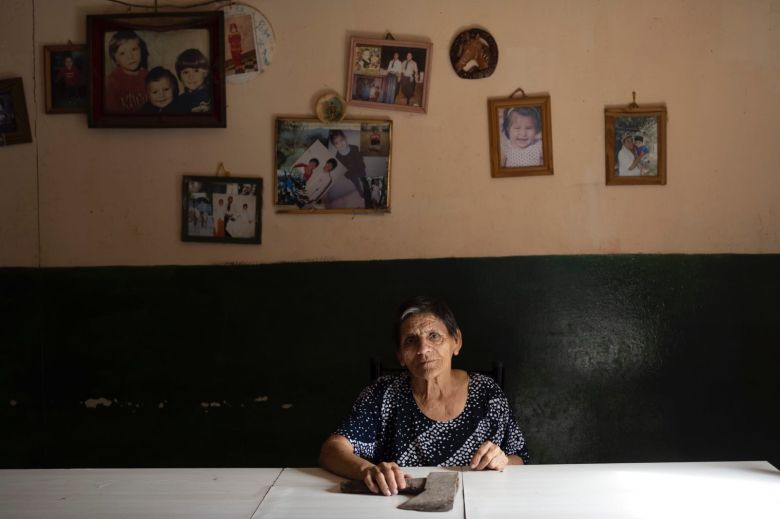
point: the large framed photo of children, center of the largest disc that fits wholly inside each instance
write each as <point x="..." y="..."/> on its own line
<point x="635" y="139"/>
<point x="163" y="70"/>
<point x="14" y="124"/>
<point x="65" y="78"/>
<point x="389" y="74"/>
<point x="341" y="167"/>
<point x="520" y="136"/>
<point x="221" y="209"/>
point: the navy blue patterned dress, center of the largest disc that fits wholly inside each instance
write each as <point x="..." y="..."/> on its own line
<point x="387" y="425"/>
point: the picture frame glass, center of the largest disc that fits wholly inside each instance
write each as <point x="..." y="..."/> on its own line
<point x="636" y="146"/>
<point x="157" y="70"/>
<point x="389" y="74"/>
<point x="332" y="167"/>
<point x="67" y="78"/>
<point x="520" y="136"/>
<point x="221" y="209"/>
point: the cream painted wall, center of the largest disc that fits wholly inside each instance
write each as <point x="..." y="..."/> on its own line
<point x="111" y="197"/>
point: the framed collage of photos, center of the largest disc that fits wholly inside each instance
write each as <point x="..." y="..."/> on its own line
<point x="221" y="209"/>
<point x="14" y="124"/>
<point x="162" y="70"/>
<point x="635" y="145"/>
<point x="389" y="74"/>
<point x="520" y="136"/>
<point x="65" y="78"/>
<point x="332" y="167"/>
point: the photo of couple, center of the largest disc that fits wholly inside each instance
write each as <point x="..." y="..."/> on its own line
<point x="391" y="75"/>
<point x="344" y="166"/>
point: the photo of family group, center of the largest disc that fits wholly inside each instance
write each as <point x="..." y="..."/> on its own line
<point x="151" y="72"/>
<point x="635" y="139"/>
<point x="332" y="167"/>
<point x="220" y="210"/>
<point x="389" y="73"/>
<point x="636" y="146"/>
<point x="158" y="70"/>
<point x="520" y="136"/>
<point x="66" y="78"/>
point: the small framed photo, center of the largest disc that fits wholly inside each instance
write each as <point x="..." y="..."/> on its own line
<point x="65" y="76"/>
<point x="14" y="125"/>
<point x="332" y="167"/>
<point x="520" y="136"/>
<point x="389" y="74"/>
<point x="221" y="209"/>
<point x="635" y="139"/>
<point x="163" y="70"/>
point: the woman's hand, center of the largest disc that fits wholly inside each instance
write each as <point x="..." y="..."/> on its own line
<point x="489" y="456"/>
<point x="385" y="478"/>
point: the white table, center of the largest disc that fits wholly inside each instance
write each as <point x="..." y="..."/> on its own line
<point x="313" y="493"/>
<point x="630" y="490"/>
<point x="147" y="493"/>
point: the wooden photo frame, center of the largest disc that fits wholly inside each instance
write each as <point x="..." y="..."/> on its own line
<point x="14" y="124"/>
<point x="341" y="167"/>
<point x="221" y="209"/>
<point x="163" y="70"/>
<point x="389" y="74"/>
<point x="520" y="136"/>
<point x="65" y="78"/>
<point x="635" y="145"/>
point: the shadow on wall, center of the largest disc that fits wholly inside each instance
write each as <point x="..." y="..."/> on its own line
<point x="608" y="358"/>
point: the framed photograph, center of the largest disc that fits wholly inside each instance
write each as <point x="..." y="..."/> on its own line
<point x="520" y="136"/>
<point x="65" y="78"/>
<point x="14" y="125"/>
<point x="332" y="167"/>
<point x="221" y="209"/>
<point x="635" y="139"/>
<point x="163" y="70"/>
<point x="389" y="74"/>
<point x="249" y="42"/>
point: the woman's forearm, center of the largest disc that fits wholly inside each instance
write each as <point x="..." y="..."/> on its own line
<point x="338" y="456"/>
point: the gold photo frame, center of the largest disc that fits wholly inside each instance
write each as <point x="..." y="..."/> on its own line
<point x="520" y="136"/>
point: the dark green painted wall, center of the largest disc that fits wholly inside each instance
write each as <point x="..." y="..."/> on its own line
<point x="609" y="358"/>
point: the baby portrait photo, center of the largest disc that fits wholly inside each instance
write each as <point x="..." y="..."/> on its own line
<point x="66" y="78"/>
<point x="152" y="76"/>
<point x="333" y="167"/>
<point x="389" y="74"/>
<point x="216" y="209"/>
<point x="635" y="146"/>
<point x="520" y="136"/>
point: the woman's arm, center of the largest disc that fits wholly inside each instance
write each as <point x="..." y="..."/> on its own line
<point x="338" y="456"/>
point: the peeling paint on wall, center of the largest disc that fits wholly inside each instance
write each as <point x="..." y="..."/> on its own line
<point x="93" y="403"/>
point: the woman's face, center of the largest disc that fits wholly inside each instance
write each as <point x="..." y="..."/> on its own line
<point x="341" y="144"/>
<point x="628" y="142"/>
<point x="427" y="348"/>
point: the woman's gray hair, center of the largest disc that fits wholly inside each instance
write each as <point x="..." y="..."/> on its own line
<point x="425" y="305"/>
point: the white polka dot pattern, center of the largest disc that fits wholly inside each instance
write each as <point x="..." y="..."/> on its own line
<point x="387" y="425"/>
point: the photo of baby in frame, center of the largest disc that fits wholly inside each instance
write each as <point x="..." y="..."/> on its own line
<point x="163" y="70"/>
<point x="520" y="136"/>
<point x="332" y="167"/>
<point x="635" y="139"/>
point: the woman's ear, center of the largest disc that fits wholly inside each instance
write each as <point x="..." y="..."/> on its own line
<point x="458" y="342"/>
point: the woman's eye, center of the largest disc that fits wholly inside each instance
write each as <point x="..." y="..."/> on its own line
<point x="434" y="336"/>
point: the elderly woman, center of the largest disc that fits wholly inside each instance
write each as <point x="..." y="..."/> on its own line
<point x="431" y="415"/>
